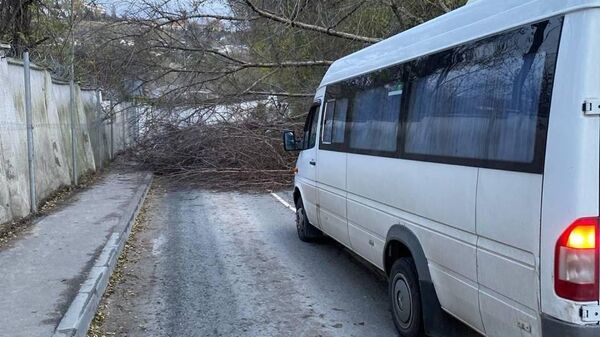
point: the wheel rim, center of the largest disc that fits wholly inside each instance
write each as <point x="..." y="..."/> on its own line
<point x="403" y="302"/>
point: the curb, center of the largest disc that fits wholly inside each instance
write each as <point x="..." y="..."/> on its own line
<point x="81" y="312"/>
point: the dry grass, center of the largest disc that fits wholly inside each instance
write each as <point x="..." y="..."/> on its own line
<point x="97" y="328"/>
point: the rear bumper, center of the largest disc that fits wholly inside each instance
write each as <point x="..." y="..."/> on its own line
<point x="552" y="327"/>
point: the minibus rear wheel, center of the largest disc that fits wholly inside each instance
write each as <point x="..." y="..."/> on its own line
<point x="306" y="231"/>
<point x="406" y="298"/>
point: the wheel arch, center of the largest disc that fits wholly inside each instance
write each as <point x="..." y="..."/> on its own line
<point x="297" y="195"/>
<point x="402" y="242"/>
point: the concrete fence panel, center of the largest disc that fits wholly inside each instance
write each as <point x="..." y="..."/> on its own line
<point x="14" y="143"/>
<point x="52" y="142"/>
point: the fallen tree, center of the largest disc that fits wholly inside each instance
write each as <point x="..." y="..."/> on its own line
<point x="229" y="153"/>
<point x="191" y="64"/>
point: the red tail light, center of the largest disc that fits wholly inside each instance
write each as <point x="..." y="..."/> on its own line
<point x="576" y="266"/>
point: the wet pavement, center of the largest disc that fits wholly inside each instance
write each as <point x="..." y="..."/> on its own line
<point x="229" y="264"/>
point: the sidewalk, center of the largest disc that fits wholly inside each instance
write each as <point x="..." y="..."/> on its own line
<point x="45" y="274"/>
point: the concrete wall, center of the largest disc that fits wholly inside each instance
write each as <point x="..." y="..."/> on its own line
<point x="51" y="135"/>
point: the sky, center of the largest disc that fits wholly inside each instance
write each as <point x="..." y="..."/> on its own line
<point x="126" y="6"/>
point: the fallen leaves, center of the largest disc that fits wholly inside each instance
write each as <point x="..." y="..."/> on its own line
<point x="13" y="230"/>
<point x="119" y="274"/>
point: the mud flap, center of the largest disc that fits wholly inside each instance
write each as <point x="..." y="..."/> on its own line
<point x="436" y="321"/>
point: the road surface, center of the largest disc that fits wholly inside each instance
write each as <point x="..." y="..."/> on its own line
<point x="230" y="264"/>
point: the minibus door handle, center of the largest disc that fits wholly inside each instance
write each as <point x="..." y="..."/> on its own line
<point x="313" y="163"/>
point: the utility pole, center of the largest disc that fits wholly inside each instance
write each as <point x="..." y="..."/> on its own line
<point x="124" y="117"/>
<point x="112" y="130"/>
<point x="99" y="142"/>
<point x="29" y="121"/>
<point x="73" y="108"/>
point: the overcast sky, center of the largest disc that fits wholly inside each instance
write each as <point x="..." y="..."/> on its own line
<point x="129" y="6"/>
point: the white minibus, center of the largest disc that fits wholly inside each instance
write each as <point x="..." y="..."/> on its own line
<point x="462" y="158"/>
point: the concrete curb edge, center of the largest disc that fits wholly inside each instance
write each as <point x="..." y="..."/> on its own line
<point x="81" y="312"/>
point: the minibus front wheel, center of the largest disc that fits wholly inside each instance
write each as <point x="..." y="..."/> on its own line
<point x="406" y="298"/>
<point x="306" y="231"/>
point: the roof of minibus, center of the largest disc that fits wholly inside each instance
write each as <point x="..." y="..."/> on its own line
<point x="477" y="19"/>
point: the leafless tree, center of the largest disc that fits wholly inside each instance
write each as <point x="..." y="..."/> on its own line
<point x="219" y="88"/>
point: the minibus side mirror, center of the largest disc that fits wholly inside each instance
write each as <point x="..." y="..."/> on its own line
<point x="290" y="143"/>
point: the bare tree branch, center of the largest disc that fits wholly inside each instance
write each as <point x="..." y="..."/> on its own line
<point x="291" y="64"/>
<point x="306" y="26"/>
<point x="279" y="94"/>
<point x="444" y="7"/>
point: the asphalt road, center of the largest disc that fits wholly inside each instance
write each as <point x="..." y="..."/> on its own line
<point x="229" y="264"/>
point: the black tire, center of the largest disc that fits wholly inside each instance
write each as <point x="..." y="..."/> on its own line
<point x="405" y="297"/>
<point x="306" y="231"/>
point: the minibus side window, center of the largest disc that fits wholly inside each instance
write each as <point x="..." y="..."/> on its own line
<point x="339" y="121"/>
<point x="328" y="122"/>
<point x="485" y="103"/>
<point x="334" y="121"/>
<point x="310" y="128"/>
<point x="375" y="115"/>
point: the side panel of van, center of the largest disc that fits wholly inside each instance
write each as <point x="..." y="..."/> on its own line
<point x="437" y="203"/>
<point x="331" y="184"/>
<point x="508" y="225"/>
<point x="571" y="180"/>
<point x="331" y="181"/>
